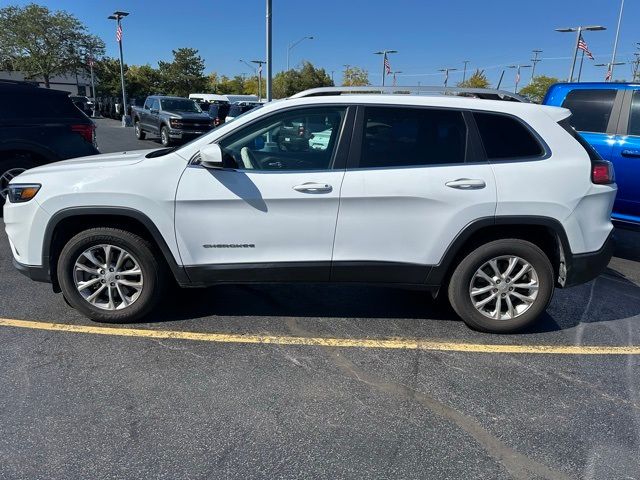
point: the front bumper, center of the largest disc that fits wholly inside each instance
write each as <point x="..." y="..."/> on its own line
<point x="182" y="134"/>
<point x="35" y="273"/>
<point x="584" y="267"/>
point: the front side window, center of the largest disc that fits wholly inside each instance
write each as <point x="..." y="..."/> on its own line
<point x="505" y="137"/>
<point x="634" y="117"/>
<point x="403" y="137"/>
<point x="304" y="139"/>
<point x="591" y="109"/>
<point x="155" y="105"/>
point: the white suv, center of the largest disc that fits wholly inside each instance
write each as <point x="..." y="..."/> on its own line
<point x="492" y="203"/>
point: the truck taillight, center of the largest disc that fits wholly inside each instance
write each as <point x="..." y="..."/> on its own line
<point x="602" y="173"/>
<point x="86" y="131"/>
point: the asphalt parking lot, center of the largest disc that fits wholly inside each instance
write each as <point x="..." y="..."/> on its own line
<point x="319" y="381"/>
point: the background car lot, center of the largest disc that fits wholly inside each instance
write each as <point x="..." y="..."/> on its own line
<point x="94" y="405"/>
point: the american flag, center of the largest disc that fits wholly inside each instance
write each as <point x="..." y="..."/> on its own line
<point x="582" y="45"/>
<point x="119" y="33"/>
<point x="260" y="68"/>
<point x="518" y="77"/>
<point x="387" y="65"/>
<point x="609" y="75"/>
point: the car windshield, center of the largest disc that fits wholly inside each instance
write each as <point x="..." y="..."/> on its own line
<point x="180" y="105"/>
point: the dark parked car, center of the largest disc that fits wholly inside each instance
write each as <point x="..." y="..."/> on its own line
<point x="218" y="111"/>
<point x="39" y="126"/>
<point x="173" y="118"/>
<point x="239" y="108"/>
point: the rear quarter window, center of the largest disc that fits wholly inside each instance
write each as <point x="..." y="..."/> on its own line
<point x="505" y="137"/>
<point x="591" y="109"/>
<point x="31" y="104"/>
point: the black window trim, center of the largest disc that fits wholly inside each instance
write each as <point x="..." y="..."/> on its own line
<point x="624" y="123"/>
<point x="546" y="150"/>
<point x="471" y="148"/>
<point x="339" y="159"/>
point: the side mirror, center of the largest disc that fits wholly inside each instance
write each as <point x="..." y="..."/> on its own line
<point x="211" y="156"/>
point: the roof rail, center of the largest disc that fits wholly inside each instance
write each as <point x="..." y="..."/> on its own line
<point x="483" y="93"/>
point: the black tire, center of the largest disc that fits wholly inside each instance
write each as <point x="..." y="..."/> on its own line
<point x="165" y="139"/>
<point x="140" y="135"/>
<point x="9" y="168"/>
<point x="459" y="285"/>
<point x="153" y="271"/>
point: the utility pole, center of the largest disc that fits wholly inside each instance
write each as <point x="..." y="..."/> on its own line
<point x="118" y="16"/>
<point x="259" y="70"/>
<point x="464" y="72"/>
<point x="269" y="51"/>
<point x="534" y="61"/>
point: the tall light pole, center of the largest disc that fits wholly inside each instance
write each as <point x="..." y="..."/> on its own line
<point x="446" y="74"/>
<point x="464" y="72"/>
<point x="269" y="51"/>
<point x="518" y="68"/>
<point x="615" y="43"/>
<point x="259" y="70"/>
<point x="394" y="76"/>
<point x="293" y="44"/>
<point x="385" y="62"/>
<point x="534" y="61"/>
<point x="609" y="66"/>
<point x="580" y="29"/>
<point x="118" y="16"/>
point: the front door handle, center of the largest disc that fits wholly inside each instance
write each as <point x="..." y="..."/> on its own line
<point x="466" y="184"/>
<point x="312" y="187"/>
<point x="631" y="153"/>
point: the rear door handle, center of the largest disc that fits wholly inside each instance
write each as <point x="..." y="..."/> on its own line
<point x="312" y="187"/>
<point x="631" y="153"/>
<point x="467" y="184"/>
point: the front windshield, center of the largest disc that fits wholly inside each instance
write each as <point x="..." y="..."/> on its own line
<point x="180" y="105"/>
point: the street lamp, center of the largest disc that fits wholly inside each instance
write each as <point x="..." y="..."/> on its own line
<point x="385" y="62"/>
<point x="118" y="16"/>
<point x="394" y="76"/>
<point x="591" y="28"/>
<point x="293" y="44"/>
<point x="259" y="69"/>
<point x="609" y="66"/>
<point x="446" y="74"/>
<point x="518" y="67"/>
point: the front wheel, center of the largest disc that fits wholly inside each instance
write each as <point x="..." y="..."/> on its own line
<point x="502" y="286"/>
<point x="111" y="275"/>
<point x="165" y="139"/>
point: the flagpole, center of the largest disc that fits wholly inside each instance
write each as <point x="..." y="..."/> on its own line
<point x="384" y="66"/>
<point x="615" y="44"/>
<point x="580" y="70"/>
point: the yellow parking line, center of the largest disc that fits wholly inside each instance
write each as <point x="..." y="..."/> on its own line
<point x="389" y="343"/>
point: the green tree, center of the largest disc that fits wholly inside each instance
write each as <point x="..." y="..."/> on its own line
<point x="44" y="43"/>
<point x="142" y="81"/>
<point x="251" y="86"/>
<point x="293" y="81"/>
<point x="537" y="89"/>
<point x="355" y="77"/>
<point x="185" y="74"/>
<point x="107" y="72"/>
<point x="477" y="80"/>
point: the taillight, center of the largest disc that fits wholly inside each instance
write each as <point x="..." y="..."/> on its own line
<point x="602" y="173"/>
<point x="86" y="131"/>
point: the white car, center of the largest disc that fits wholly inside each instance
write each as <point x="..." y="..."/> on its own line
<point x="492" y="203"/>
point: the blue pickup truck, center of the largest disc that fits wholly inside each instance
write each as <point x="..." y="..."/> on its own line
<point x="608" y="117"/>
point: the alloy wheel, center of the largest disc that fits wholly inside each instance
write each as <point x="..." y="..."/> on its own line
<point x="504" y="287"/>
<point x="108" y="277"/>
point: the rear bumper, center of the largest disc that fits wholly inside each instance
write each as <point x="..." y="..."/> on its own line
<point x="584" y="267"/>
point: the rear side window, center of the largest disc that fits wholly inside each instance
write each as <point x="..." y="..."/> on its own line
<point x="36" y="105"/>
<point x="634" y="118"/>
<point x="594" y="156"/>
<point x="396" y="137"/>
<point x="591" y="109"/>
<point x="506" y="137"/>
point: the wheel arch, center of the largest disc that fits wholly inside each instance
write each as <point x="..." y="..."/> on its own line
<point x="68" y="222"/>
<point x="545" y="232"/>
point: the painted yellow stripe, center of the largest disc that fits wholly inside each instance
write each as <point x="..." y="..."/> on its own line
<point x="390" y="343"/>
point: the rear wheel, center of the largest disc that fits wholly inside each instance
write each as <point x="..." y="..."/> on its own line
<point x="140" y="135"/>
<point x="111" y="275"/>
<point x="9" y="169"/>
<point x="502" y="286"/>
<point x="165" y="139"/>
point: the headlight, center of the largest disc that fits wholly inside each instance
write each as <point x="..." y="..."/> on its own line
<point x="175" y="122"/>
<point x="22" y="192"/>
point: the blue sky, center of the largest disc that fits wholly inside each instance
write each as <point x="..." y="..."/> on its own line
<point x="428" y="34"/>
